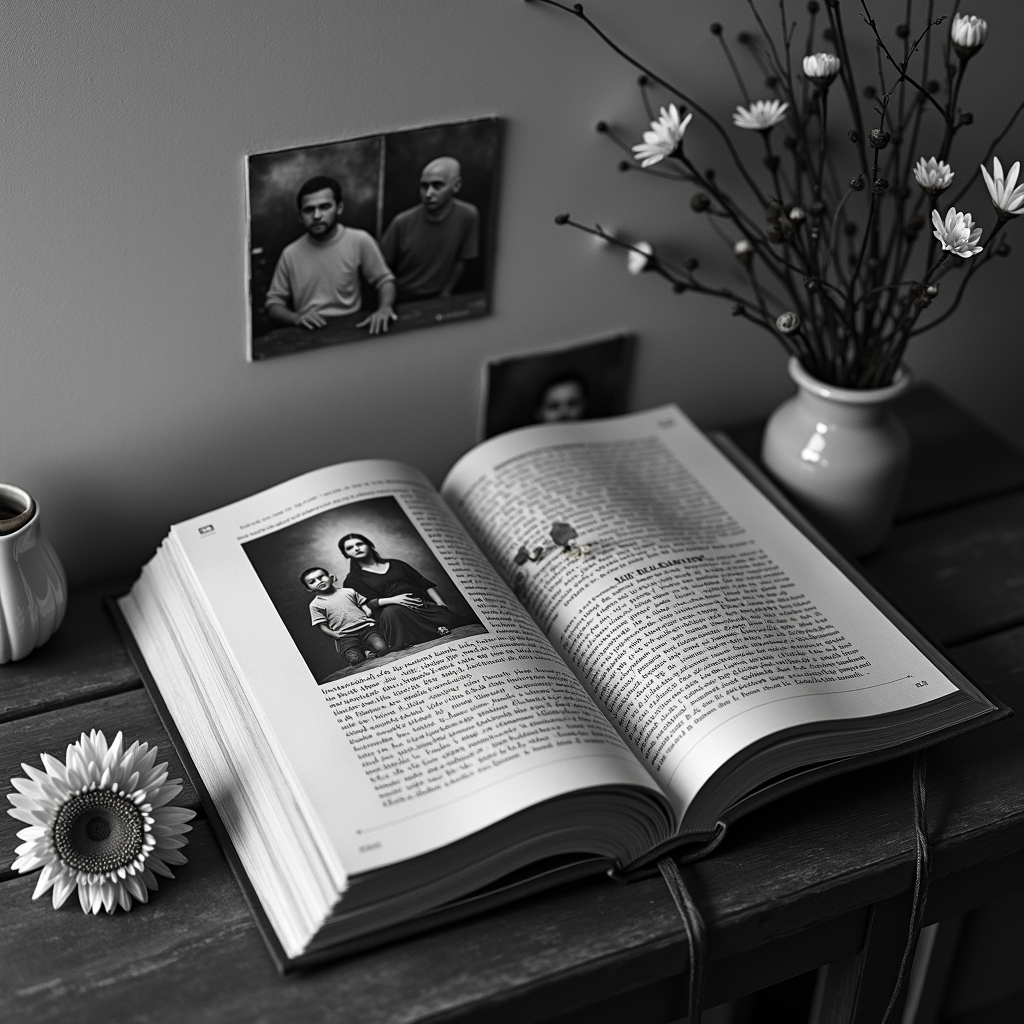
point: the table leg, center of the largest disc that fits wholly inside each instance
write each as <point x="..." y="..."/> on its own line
<point x="857" y="989"/>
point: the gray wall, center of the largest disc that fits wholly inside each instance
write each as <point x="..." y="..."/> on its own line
<point x="125" y="400"/>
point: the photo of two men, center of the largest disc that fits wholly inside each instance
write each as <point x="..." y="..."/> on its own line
<point x="368" y="236"/>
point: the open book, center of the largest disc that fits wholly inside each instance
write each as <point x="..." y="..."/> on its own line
<point x="599" y="640"/>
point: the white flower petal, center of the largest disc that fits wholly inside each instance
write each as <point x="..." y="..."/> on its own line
<point x="63" y="887"/>
<point x="136" y="888"/>
<point x="46" y="878"/>
<point x="173" y="815"/>
<point x="166" y="795"/>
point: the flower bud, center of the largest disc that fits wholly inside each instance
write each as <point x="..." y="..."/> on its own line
<point x="772" y="212"/>
<point x="821" y="68"/>
<point x="625" y="165"/>
<point x="562" y="218"/>
<point x="737" y="310"/>
<point x="817" y="208"/>
<point x="699" y="202"/>
<point x="812" y="7"/>
<point x="678" y="287"/>
<point x="857" y="184"/>
<point x="601" y="127"/>
<point x="691" y="263"/>
<point x="775" y="232"/>
<point x="968" y="33"/>
<point x="787" y="322"/>
<point x="879" y="185"/>
<point x="1003" y="249"/>
<point x="932" y="290"/>
<point x="744" y="251"/>
<point x="967" y="117"/>
<point x="810" y="284"/>
<point x="878" y="139"/>
<point x="851" y="135"/>
<point x="903" y="30"/>
<point x="797" y="215"/>
<point x="716" y="28"/>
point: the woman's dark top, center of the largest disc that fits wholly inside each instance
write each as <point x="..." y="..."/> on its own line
<point x="403" y="627"/>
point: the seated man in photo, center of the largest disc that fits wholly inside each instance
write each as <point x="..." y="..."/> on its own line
<point x="428" y="246"/>
<point x="317" y="275"/>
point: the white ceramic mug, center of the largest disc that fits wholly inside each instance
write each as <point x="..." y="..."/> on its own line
<point x="33" y="587"/>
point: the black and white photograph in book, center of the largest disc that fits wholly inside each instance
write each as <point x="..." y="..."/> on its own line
<point x="364" y="237"/>
<point x="358" y="587"/>
<point x="582" y="382"/>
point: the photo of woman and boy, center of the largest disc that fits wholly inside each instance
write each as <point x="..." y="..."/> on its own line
<point x="383" y="608"/>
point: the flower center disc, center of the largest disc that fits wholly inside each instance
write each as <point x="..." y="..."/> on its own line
<point x="98" y="831"/>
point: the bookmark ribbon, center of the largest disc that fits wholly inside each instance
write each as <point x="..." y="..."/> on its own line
<point x="696" y="931"/>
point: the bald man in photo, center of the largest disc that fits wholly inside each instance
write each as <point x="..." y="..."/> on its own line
<point x="427" y="247"/>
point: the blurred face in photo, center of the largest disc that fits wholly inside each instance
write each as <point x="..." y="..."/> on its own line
<point x="319" y="212"/>
<point x="439" y="182"/>
<point x="318" y="580"/>
<point x="561" y="401"/>
<point x="356" y="547"/>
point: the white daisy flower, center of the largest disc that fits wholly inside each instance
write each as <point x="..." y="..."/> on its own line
<point x="822" y="67"/>
<point x="636" y="262"/>
<point x="1007" y="195"/>
<point x="968" y="32"/>
<point x="99" y="822"/>
<point x="665" y="136"/>
<point x="760" y="115"/>
<point x="934" y="176"/>
<point x="957" y="234"/>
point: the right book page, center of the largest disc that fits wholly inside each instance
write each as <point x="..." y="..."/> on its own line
<point x="696" y="614"/>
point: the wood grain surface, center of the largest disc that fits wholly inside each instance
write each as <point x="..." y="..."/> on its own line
<point x="791" y="888"/>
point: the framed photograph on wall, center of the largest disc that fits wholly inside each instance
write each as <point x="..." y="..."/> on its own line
<point x="359" y="238"/>
<point x="579" y="382"/>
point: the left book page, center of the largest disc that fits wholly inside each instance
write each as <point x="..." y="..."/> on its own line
<point x="412" y="748"/>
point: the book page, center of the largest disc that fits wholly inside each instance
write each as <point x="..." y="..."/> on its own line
<point x="697" y="615"/>
<point x="402" y="728"/>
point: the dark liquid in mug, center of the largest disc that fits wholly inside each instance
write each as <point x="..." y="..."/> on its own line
<point x="9" y="509"/>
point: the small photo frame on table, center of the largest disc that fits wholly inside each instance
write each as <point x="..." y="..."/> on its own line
<point x="578" y="382"/>
<point x="365" y="237"/>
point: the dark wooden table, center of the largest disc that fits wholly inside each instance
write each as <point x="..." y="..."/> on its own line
<point x="820" y="877"/>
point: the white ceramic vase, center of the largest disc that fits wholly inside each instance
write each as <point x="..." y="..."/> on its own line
<point x="842" y="455"/>
<point x="33" y="588"/>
